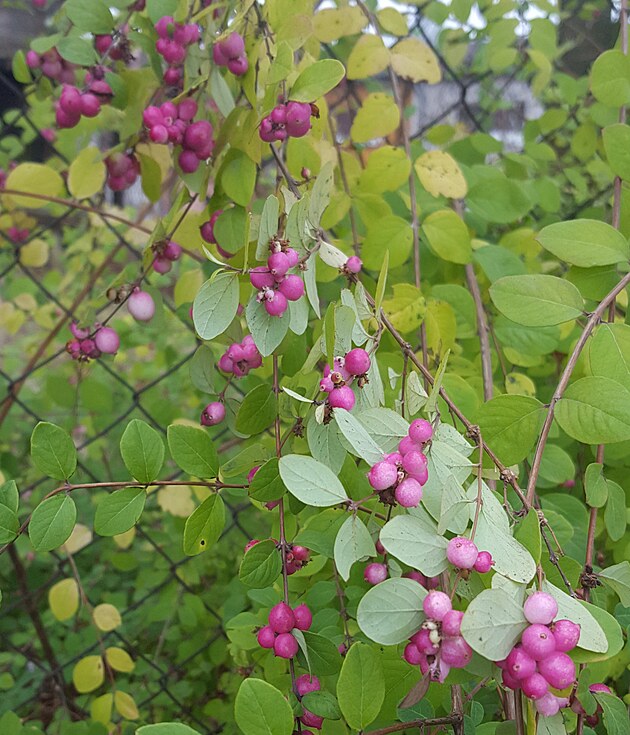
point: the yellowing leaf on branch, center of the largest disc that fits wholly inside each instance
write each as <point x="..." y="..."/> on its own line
<point x="126" y="706"/>
<point x="79" y="538"/>
<point x="176" y="500"/>
<point x="392" y="22"/>
<point x="119" y="659"/>
<point x="63" y="598"/>
<point x="101" y="709"/>
<point x="33" y="178"/>
<point x="106" y="617"/>
<point x="412" y="59"/>
<point x="87" y="172"/>
<point x="331" y="24"/>
<point x="406" y="308"/>
<point x="377" y="117"/>
<point x="88" y="674"/>
<point x="440" y="175"/>
<point x="35" y="253"/>
<point x="368" y="57"/>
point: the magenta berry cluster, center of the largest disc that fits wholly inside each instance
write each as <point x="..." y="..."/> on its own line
<point x="122" y="170"/>
<point x="166" y="253"/>
<point x="213" y="414"/>
<point x="18" y="234"/>
<point x="92" y="342"/>
<point x="105" y="44"/>
<point x="173" y="40"/>
<point x="141" y="305"/>
<point x="336" y="381"/>
<point x="276" y="286"/>
<point x="539" y="662"/>
<point x="438" y="646"/>
<point x="303" y="685"/>
<point x="400" y="476"/>
<point x="464" y="554"/>
<point x="277" y="633"/>
<point x="230" y="52"/>
<point x="73" y="104"/>
<point x="52" y="65"/>
<point x="297" y="557"/>
<point x="240" y="358"/>
<point x="171" y="123"/>
<point x="290" y="120"/>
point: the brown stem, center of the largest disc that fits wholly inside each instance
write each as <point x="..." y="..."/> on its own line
<point x="518" y="711"/>
<point x="483" y="331"/>
<point x="421" y="723"/>
<point x="346" y="187"/>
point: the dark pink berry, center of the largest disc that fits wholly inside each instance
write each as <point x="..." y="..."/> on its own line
<point x="538" y="641"/>
<point x="416" y="576"/>
<point x="462" y="552"/>
<point x="301" y="553"/>
<point x="198" y="136"/>
<point x="558" y="669"/>
<point x="162" y="265"/>
<point x="276" y="303"/>
<point x="412" y="655"/>
<point x="436" y="604"/>
<point x="520" y="664"/>
<point x="260" y="277"/>
<point x="354" y="264"/>
<point x="90" y="105"/>
<point x="375" y="573"/>
<point x="278" y="265"/>
<point x="311" y="720"/>
<point x="303" y="617"/>
<point x="307" y="683"/>
<point x="238" y="66"/>
<point x="298" y="119"/>
<point x="424" y="644"/>
<point x="188" y="162"/>
<point x="342" y="397"/>
<point x="540" y="607"/>
<point x="292" y="287"/>
<point x="535" y="686"/>
<point x="566" y="635"/>
<point x="484" y="562"/>
<point x="357" y="361"/>
<point x="285" y="645"/>
<point x="281" y="618"/>
<point x="509" y="681"/>
<point x="414" y="462"/>
<point x="172" y="251"/>
<point x="407" y="445"/>
<point x="420" y="431"/>
<point x="266" y="637"/>
<point x="213" y="414"/>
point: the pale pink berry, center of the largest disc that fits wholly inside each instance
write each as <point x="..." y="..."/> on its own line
<point x="293" y="256"/>
<point x="298" y="119"/>
<point x="414" y="462"/>
<point x="172" y="251"/>
<point x="394" y="458"/>
<point x="307" y="683"/>
<point x="412" y="655"/>
<point x="152" y="116"/>
<point x="422" y="641"/>
<point x="226" y="364"/>
<point x="33" y="60"/>
<point x="277" y="304"/>
<point x="540" y="607"/>
<point x="462" y="552"/>
<point x="548" y="705"/>
<point x="519" y="663"/>
<point x="406" y="445"/>
<point x="408" y="493"/>
<point x="303" y="616"/>
<point x="357" y="361"/>
<point x="382" y="475"/>
<point x="354" y="264"/>
<point x="342" y="397"/>
<point x="455" y="652"/>
<point x="420" y="431"/>
<point x="484" y="562"/>
<point x="162" y="265"/>
<point x="326" y="385"/>
<point x="285" y="645"/>
<point x="535" y="686"/>
<point x="233" y="46"/>
<point x="452" y="623"/>
<point x="79" y="332"/>
<point x="538" y="641"/>
<point x="436" y="604"/>
<point x="281" y="618"/>
<point x="266" y="637"/>
<point x="213" y="414"/>
<point x="558" y="669"/>
<point x="141" y="306"/>
<point x="107" y="340"/>
<point x="292" y="287"/>
<point x="375" y="573"/>
<point x="566" y="635"/>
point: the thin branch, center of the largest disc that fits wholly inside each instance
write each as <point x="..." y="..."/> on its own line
<point x="483" y="331"/>
<point x="421" y="723"/>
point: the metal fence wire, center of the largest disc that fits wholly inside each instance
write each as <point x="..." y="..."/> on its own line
<point x="173" y="607"/>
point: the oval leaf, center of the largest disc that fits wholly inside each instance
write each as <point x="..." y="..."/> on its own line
<point x="311" y="481"/>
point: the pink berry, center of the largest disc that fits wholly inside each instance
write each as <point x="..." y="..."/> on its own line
<point x="566" y="635"/>
<point x="382" y="475"/>
<point x="107" y="340"/>
<point x="225" y="364"/>
<point x="260" y="277"/>
<point x="141" y="306"/>
<point x="213" y="414"/>
<point x="266" y="637"/>
<point x="420" y="431"/>
<point x="233" y="46"/>
<point x="407" y="445"/>
<point x="311" y="720"/>
<point x="32" y="60"/>
<point x="357" y="361"/>
<point x="462" y="552"/>
<point x="599" y="687"/>
<point x="162" y="265"/>
<point x="298" y="119"/>
<point x="172" y="251"/>
<point x="538" y="641"/>
<point x="540" y="607"/>
<point x="281" y="618"/>
<point x="484" y="562"/>
<point x="455" y="652"/>
<point x="303" y="617"/>
<point x="293" y="256"/>
<point x="278" y="265"/>
<point x="238" y="66"/>
<point x="548" y="705"/>
<point x="326" y="385"/>
<point x="558" y="669"/>
<point x="252" y="473"/>
<point x="102" y="43"/>
<point x="375" y="573"/>
<point x="64" y="120"/>
<point x="424" y="644"/>
<point x="70" y="100"/>
<point x="188" y="162"/>
<point x="415" y="575"/>
<point x="277" y="304"/>
<point x="152" y="116"/>
<point x="354" y="264"/>
<point x="301" y="553"/>
<point x="509" y="681"/>
<point x="307" y="683"/>
<point x="394" y="458"/>
<point x="412" y="655"/>
<point x="285" y="645"/>
<point x="452" y="622"/>
<point x="79" y="332"/>
<point x="342" y="397"/>
<point x="436" y="604"/>
<point x="198" y="136"/>
<point x="535" y="686"/>
<point x="408" y="493"/>
<point x="520" y="664"/>
<point x="414" y="462"/>
<point x="292" y="287"/>
<point x="90" y="105"/>
<point x="187" y="109"/>
<point x="164" y="26"/>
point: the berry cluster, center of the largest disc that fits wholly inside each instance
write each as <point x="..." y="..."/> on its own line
<point x="230" y="52"/>
<point x="276" y="285"/>
<point x="122" y="170"/>
<point x="540" y="661"/>
<point x="281" y="621"/>
<point x="297" y="556"/>
<point x="464" y="554"/>
<point x="171" y="123"/>
<point x="345" y="369"/>
<point x="166" y="253"/>
<point x="73" y="103"/>
<point x="213" y="414"/>
<point x="438" y="646"/>
<point x="292" y="120"/>
<point x="18" y="234"/>
<point x="173" y="39"/>
<point x="141" y="305"/>
<point x="303" y="685"/>
<point x="91" y="343"/>
<point x="105" y="44"/>
<point x="240" y="358"/>
<point x="400" y="476"/>
<point x="377" y="572"/>
<point x="52" y="65"/>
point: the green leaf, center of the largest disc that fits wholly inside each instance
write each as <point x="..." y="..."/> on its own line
<point x="52" y="522"/>
<point x="238" y="177"/>
<point x="9" y="495"/>
<point x="231" y="230"/>
<point x="585" y="242"/>
<point x="260" y="709"/>
<point x="323" y="654"/>
<point x="166" y="728"/>
<point x="320" y="532"/>
<point x="617" y="578"/>
<point x="257" y="411"/>
<point x="267" y="331"/>
<point x="615" y="714"/>
<point x="268" y="226"/>
<point x="77" y="51"/>
<point x="19" y="68"/>
<point x="536" y="300"/>
<point x="377" y="117"/>
<point x="202" y="369"/>
<point x="528" y="534"/>
<point x="609" y="352"/>
<point x="353" y="543"/>
<point x="95" y="18"/>
<point x="119" y="511"/>
<point x="385" y="426"/>
<point x="498" y="200"/>
<point x="53" y="451"/>
<point x="610" y="78"/>
<point x="142" y="451"/>
<point x="316" y="80"/>
<point x="413" y="539"/>
<point x="261" y="565"/>
<point x="215" y="305"/>
<point x="493" y="623"/>
<point x="595" y="486"/>
<point x="615" y="513"/>
<point x="267" y="483"/>
<point x="510" y="425"/>
<point x="595" y="410"/>
<point x="617" y="144"/>
<point x="193" y="451"/>
<point x="324" y="444"/>
<point x="361" y="686"/>
<point x="311" y="481"/>
<point x="9" y="524"/>
<point x="322" y="704"/>
<point x="204" y="526"/>
<point x="392" y="235"/>
<point x="448" y="236"/>
<point x="391" y="611"/>
<point x="592" y="637"/>
<point x="358" y="437"/>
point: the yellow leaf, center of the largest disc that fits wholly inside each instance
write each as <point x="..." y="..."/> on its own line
<point x="125" y="706"/>
<point x="35" y="253"/>
<point x="63" y="599"/>
<point x="86" y="174"/>
<point x="106" y="617"/>
<point x="124" y="540"/>
<point x="377" y="117"/>
<point x="440" y="175"/>
<point x="441" y="328"/>
<point x="368" y="57"/>
<point x="392" y="22"/>
<point x="88" y="674"/>
<point x="412" y="59"/>
<point x="25" y="301"/>
<point x="176" y="500"/>
<point x="11" y="319"/>
<point x="519" y="384"/>
<point x="406" y="309"/>
<point x="187" y="286"/>
<point x="34" y="178"/>
<point x="101" y="709"/>
<point x="119" y="659"/>
<point x="333" y="23"/>
<point x="80" y="537"/>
